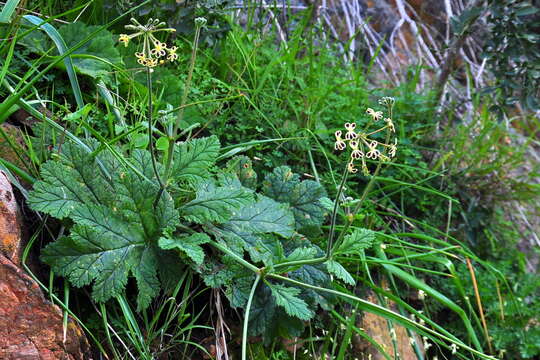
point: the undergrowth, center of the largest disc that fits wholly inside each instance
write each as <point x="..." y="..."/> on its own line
<point x="204" y="206"/>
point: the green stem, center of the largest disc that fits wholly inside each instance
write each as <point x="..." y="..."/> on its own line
<point x="334" y="214"/>
<point x="187" y="88"/>
<point x="238" y="258"/>
<point x="301" y="262"/>
<point x="377" y="309"/>
<point x="366" y="191"/>
<point x="350" y="220"/>
<point x="150" y="127"/>
<point x="246" y="317"/>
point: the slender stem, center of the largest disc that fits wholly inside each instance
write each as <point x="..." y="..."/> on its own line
<point x="479" y="303"/>
<point x="238" y="258"/>
<point x="301" y="262"/>
<point x="334" y="213"/>
<point x="187" y="87"/>
<point x="377" y="309"/>
<point x="367" y="189"/>
<point x="150" y="126"/>
<point x="246" y="317"/>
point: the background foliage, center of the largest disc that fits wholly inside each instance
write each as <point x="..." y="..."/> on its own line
<point x="445" y="227"/>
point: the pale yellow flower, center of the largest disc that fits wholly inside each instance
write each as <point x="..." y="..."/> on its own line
<point x="373" y="153"/>
<point x="124" y="39"/>
<point x="393" y="148"/>
<point x="390" y="125"/>
<point x="356" y="154"/>
<point x="141" y="58"/>
<point x="172" y="56"/>
<point x="350" y="131"/>
<point x="340" y="144"/>
<point x="375" y="115"/>
<point x="160" y="49"/>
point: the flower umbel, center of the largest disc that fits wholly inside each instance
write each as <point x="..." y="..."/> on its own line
<point x="153" y="50"/>
<point x="382" y="150"/>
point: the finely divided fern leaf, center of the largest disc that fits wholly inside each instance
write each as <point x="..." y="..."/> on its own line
<point x="358" y="241"/>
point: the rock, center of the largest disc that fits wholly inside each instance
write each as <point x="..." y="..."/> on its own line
<point x="30" y="326"/>
<point x="377" y="328"/>
<point x="10" y="222"/>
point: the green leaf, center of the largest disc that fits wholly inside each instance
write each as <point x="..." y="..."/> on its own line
<point x="303" y="196"/>
<point x="144" y="269"/>
<point x="70" y="182"/>
<point x="527" y="10"/>
<point x="264" y="216"/>
<point x="358" y="241"/>
<point x="88" y="255"/>
<point x="263" y="311"/>
<point x="102" y="46"/>
<point x="302" y="253"/>
<point x="243" y="168"/>
<point x="298" y="254"/>
<point x="268" y="320"/>
<point x="116" y="223"/>
<point x="59" y="191"/>
<point x="194" y="158"/>
<point x="249" y="228"/>
<point x="316" y="275"/>
<point x="188" y="244"/>
<point x="216" y="204"/>
<point x="287" y="298"/>
<point x="339" y="271"/>
<point x="264" y="247"/>
<point x="162" y="144"/>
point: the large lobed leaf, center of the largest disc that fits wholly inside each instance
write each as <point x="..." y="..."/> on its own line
<point x="116" y="225"/>
<point x="102" y="50"/>
<point x="216" y="203"/>
<point x="193" y="159"/>
<point x="304" y="197"/>
<point x="253" y="227"/>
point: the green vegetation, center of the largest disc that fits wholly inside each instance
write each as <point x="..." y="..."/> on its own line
<point x="207" y="174"/>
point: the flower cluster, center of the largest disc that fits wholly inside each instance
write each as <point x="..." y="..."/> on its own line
<point x="154" y="52"/>
<point x="363" y="145"/>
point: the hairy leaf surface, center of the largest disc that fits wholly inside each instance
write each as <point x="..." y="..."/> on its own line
<point x="216" y="204"/>
<point x="303" y="196"/>
<point x="359" y="240"/>
<point x="194" y="159"/>
<point x="116" y="224"/>
<point x="287" y="298"/>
